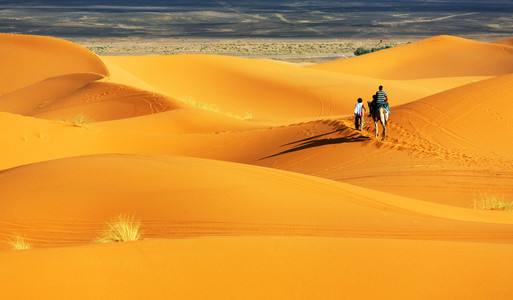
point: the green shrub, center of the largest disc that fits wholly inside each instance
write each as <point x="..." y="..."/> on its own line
<point x="361" y="50"/>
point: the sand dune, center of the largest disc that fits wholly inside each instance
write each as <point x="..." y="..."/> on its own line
<point x="471" y="119"/>
<point x="103" y="101"/>
<point x="506" y="42"/>
<point x="29" y="59"/>
<point x="248" y="177"/>
<point x="185" y="120"/>
<point x="241" y="86"/>
<point x="68" y="96"/>
<point x="326" y="148"/>
<point x="440" y="56"/>
<point x="197" y="197"/>
<point x="34" y="140"/>
<point x="262" y="267"/>
<point x="26" y="99"/>
<point x="266" y="89"/>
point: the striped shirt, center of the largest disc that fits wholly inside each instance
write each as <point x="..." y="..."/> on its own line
<point x="381" y="96"/>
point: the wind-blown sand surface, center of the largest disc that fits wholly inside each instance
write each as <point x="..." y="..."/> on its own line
<point x="248" y="178"/>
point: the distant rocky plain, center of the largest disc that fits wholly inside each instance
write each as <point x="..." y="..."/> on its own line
<point x="296" y="31"/>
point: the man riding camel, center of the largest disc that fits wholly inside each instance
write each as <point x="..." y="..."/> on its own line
<point x="379" y="110"/>
<point x="381" y="99"/>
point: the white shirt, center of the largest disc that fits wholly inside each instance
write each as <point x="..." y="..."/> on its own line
<point x="358" y="109"/>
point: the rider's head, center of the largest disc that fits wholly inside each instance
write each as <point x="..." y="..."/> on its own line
<point x="380" y="87"/>
<point x="360" y="100"/>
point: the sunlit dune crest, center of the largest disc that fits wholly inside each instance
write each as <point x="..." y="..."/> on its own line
<point x="247" y="179"/>
<point x="440" y="56"/>
<point x="506" y="42"/>
<point x="267" y="89"/>
<point x="30" y="59"/>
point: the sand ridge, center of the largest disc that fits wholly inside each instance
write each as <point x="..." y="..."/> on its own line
<point x="506" y="42"/>
<point x="248" y="178"/>
<point x="30" y="59"/>
<point x="268" y="89"/>
<point x="440" y="56"/>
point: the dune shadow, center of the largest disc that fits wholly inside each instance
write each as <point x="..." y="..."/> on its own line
<point x="313" y="137"/>
<point x="314" y="141"/>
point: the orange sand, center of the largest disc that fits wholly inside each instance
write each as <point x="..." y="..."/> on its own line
<point x="506" y="41"/>
<point x="269" y="193"/>
<point x="440" y="56"/>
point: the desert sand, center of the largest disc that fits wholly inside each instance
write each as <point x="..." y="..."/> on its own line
<point x="248" y="178"/>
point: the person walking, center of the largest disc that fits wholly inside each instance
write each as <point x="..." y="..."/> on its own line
<point x="359" y="110"/>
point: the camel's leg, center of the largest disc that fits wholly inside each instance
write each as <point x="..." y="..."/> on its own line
<point x="376" y="124"/>
<point x="384" y="119"/>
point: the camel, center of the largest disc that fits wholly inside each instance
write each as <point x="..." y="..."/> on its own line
<point x="381" y="115"/>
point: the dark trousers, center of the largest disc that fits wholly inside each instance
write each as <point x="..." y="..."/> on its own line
<point x="358" y="122"/>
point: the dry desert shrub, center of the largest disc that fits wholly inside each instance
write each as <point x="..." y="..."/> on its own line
<point x="19" y="243"/>
<point x="493" y="202"/>
<point x="122" y="229"/>
<point x="200" y="105"/>
<point x="214" y="108"/>
<point x="78" y="121"/>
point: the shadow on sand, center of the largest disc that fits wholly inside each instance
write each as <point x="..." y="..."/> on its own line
<point x="317" y="141"/>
